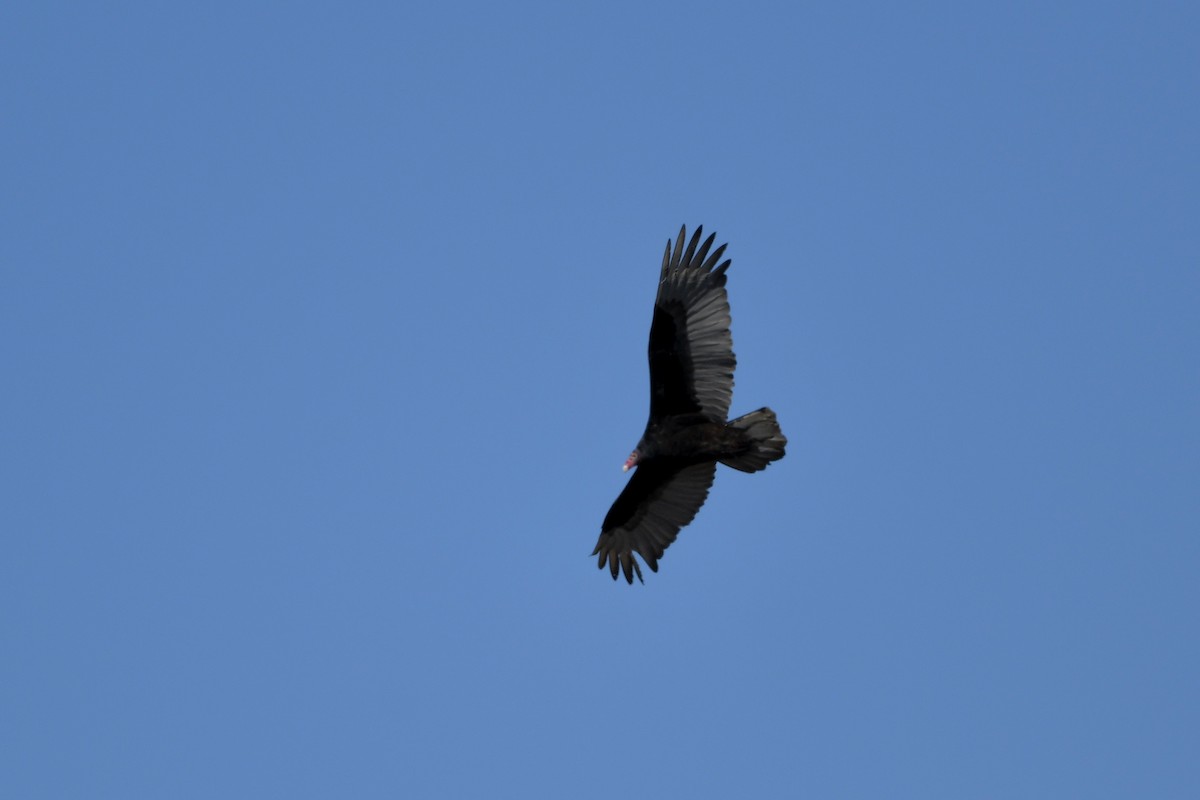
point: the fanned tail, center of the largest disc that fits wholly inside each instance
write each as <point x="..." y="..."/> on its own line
<point x="764" y="436"/>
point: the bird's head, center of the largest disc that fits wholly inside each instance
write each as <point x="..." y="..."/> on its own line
<point x="631" y="461"/>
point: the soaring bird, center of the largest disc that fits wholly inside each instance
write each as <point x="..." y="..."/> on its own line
<point x="691" y="386"/>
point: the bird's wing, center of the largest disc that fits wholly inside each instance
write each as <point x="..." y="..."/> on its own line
<point x="691" y="350"/>
<point x="647" y="516"/>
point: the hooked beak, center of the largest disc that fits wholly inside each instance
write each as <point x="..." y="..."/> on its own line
<point x="630" y="462"/>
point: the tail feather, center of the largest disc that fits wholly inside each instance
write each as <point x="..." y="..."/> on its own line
<point x="765" y="437"/>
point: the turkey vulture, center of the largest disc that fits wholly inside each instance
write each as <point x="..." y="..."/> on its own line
<point x="691" y="386"/>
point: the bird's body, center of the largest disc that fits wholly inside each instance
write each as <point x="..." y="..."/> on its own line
<point x="691" y="438"/>
<point x="691" y="386"/>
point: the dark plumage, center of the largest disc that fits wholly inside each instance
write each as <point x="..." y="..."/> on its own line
<point x="691" y="386"/>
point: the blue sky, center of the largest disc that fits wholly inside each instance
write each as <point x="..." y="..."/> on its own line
<point x="323" y="331"/>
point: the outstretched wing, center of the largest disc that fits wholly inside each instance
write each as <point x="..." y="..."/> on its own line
<point x="647" y="516"/>
<point x="691" y="350"/>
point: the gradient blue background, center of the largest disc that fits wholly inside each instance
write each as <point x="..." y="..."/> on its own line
<point x="323" y="339"/>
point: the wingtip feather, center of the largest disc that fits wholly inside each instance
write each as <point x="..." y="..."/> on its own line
<point x="678" y="248"/>
<point x="714" y="258"/>
<point x="691" y="248"/>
